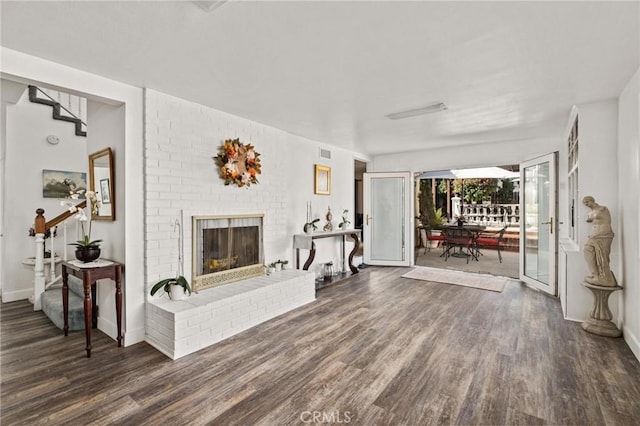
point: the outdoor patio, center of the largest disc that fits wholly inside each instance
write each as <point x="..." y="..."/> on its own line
<point x="487" y="263"/>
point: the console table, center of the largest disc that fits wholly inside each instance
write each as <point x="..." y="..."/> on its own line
<point x="305" y="242"/>
<point x="89" y="273"/>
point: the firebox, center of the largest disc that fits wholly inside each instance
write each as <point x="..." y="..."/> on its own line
<point x="226" y="249"/>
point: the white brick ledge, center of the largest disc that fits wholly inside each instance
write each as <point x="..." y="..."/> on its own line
<point x="177" y="328"/>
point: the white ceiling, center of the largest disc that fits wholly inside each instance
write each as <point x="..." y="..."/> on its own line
<point x="332" y="71"/>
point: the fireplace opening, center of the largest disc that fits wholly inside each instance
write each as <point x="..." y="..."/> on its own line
<point x="226" y="249"/>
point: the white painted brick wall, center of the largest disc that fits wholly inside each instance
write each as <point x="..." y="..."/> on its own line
<point x="180" y="175"/>
<point x="178" y="328"/>
<point x="181" y="139"/>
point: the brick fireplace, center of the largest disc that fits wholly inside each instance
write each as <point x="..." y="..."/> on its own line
<point x="224" y="256"/>
<point x="226" y="249"/>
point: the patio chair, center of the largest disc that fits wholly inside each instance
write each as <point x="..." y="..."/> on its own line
<point x="492" y="239"/>
<point x="426" y="235"/>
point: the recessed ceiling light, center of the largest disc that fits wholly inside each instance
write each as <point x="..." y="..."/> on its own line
<point x="440" y="106"/>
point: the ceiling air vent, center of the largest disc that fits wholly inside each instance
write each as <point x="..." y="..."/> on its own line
<point x="325" y="153"/>
<point x="437" y="107"/>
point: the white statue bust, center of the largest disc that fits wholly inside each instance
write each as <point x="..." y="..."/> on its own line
<point x="598" y="246"/>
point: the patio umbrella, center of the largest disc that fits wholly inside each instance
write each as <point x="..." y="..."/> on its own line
<point x="476" y="173"/>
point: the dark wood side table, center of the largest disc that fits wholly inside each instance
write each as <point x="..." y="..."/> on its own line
<point x="89" y="275"/>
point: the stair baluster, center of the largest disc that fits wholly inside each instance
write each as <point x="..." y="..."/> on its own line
<point x="41" y="226"/>
<point x="38" y="283"/>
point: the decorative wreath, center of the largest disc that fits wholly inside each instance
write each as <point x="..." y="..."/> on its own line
<point x="239" y="163"/>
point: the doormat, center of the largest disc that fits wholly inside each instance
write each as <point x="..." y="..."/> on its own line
<point x="466" y="279"/>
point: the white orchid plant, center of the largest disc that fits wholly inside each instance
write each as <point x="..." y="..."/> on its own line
<point x="81" y="216"/>
<point x="345" y="219"/>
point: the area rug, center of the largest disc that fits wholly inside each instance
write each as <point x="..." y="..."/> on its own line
<point x="466" y="279"/>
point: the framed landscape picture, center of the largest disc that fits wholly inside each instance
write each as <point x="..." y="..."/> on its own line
<point x="63" y="184"/>
<point x="323" y="180"/>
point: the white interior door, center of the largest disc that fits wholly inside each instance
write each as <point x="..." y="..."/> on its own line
<point x="388" y="219"/>
<point x="538" y="223"/>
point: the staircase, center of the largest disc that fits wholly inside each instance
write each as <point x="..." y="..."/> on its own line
<point x="75" y="107"/>
<point x="52" y="304"/>
<point x="47" y="291"/>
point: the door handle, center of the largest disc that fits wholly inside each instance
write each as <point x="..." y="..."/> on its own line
<point x="550" y="223"/>
<point x="368" y="219"/>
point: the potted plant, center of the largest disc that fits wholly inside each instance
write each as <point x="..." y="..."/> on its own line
<point x="271" y="268"/>
<point x="176" y="288"/>
<point x="87" y="250"/>
<point x="309" y="227"/>
<point x="345" y="219"/>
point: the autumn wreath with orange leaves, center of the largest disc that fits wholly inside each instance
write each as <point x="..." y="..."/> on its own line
<point x="239" y="163"/>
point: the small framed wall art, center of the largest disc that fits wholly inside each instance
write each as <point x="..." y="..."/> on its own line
<point x="105" y="192"/>
<point x="323" y="180"/>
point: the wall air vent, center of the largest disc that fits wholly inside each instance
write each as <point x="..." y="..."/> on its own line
<point x="440" y="106"/>
<point x="325" y="153"/>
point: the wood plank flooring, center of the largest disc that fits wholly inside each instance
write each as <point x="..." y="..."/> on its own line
<point x="373" y="349"/>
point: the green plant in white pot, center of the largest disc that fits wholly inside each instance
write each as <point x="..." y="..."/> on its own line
<point x="311" y="226"/>
<point x="177" y="288"/>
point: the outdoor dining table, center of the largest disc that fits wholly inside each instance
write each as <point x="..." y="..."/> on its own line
<point x="473" y="227"/>
<point x="475" y="230"/>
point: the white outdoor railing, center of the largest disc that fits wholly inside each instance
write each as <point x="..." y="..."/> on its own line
<point x="492" y="214"/>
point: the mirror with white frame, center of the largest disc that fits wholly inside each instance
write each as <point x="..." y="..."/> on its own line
<point x="101" y="181"/>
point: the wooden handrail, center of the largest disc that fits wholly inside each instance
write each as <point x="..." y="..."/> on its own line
<point x="41" y="225"/>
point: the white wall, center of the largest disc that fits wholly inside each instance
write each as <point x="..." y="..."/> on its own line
<point x="181" y="139"/>
<point x="598" y="164"/>
<point x="629" y="208"/>
<point x="17" y="66"/>
<point x="10" y="93"/>
<point x="105" y="129"/>
<point x="28" y="153"/>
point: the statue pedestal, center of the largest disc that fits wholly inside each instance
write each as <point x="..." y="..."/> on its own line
<point x="599" y="321"/>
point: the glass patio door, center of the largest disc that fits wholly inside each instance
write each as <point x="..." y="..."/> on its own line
<point x="388" y="199"/>
<point x="538" y="223"/>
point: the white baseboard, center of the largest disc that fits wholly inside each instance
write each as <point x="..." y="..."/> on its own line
<point x="108" y="328"/>
<point x="632" y="341"/>
<point x="573" y="319"/>
<point x="131" y="337"/>
<point x="12" y="296"/>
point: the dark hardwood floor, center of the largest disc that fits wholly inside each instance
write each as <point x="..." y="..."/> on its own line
<point x="373" y="349"/>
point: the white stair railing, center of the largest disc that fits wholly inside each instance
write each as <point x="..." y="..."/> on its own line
<point x="40" y="282"/>
<point x="54" y="258"/>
